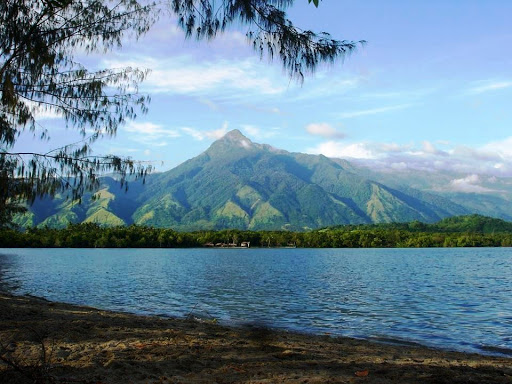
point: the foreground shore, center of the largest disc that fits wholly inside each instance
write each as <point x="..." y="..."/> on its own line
<point x="46" y="342"/>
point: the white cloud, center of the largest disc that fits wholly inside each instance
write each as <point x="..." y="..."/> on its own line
<point x="489" y="86"/>
<point x="217" y="133"/>
<point x="492" y="159"/>
<point x="252" y="130"/>
<point x="198" y="135"/>
<point x="146" y="130"/>
<point x="235" y="39"/>
<point x="502" y="148"/>
<point x="257" y="133"/>
<point x="324" y="130"/>
<point x="468" y="184"/>
<point x="363" y="150"/>
<point x="160" y="144"/>
<point x="42" y="111"/>
<point x="149" y="134"/>
<point x="184" y="75"/>
<point x="471" y="179"/>
<point x="429" y="148"/>
<point x="401" y="166"/>
<point x="166" y="37"/>
<point x="373" y="111"/>
<point x="394" y="148"/>
<point x="214" y="134"/>
<point x="340" y="150"/>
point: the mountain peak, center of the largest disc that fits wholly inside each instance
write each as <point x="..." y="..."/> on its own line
<point x="234" y="134"/>
<point x="233" y="138"/>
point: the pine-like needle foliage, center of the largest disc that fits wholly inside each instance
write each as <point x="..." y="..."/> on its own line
<point x="271" y="33"/>
<point x="39" y="73"/>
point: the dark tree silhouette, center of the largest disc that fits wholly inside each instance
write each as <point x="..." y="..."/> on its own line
<point x="39" y="72"/>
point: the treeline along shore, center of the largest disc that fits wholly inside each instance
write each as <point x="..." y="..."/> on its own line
<point x="463" y="231"/>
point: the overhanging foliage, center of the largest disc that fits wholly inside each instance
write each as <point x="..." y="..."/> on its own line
<point x="41" y="42"/>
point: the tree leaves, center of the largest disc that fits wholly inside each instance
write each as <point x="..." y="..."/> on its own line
<point x="39" y="72"/>
<point x="270" y="32"/>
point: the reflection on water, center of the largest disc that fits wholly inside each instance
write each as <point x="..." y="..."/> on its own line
<point x="8" y="276"/>
<point x="450" y="298"/>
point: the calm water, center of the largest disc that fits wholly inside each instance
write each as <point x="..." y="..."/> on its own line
<point x="450" y="298"/>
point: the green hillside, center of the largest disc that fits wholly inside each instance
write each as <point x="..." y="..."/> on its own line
<point x="473" y="224"/>
<point x="240" y="184"/>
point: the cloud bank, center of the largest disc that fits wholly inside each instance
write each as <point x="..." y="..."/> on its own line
<point x="185" y="75"/>
<point x="210" y="134"/>
<point x="324" y="130"/>
<point x="493" y="158"/>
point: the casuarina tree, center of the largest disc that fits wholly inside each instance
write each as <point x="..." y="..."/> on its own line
<point x="42" y="43"/>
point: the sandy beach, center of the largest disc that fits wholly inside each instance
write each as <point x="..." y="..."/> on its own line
<point x="46" y="342"/>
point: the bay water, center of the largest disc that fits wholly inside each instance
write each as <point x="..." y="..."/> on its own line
<point x="456" y="299"/>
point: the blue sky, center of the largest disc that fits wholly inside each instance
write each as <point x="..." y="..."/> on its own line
<point x="432" y="89"/>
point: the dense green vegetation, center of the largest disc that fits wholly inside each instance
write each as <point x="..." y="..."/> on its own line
<point x="463" y="231"/>
<point x="240" y="184"/>
<point x="42" y="43"/>
<point x="248" y="186"/>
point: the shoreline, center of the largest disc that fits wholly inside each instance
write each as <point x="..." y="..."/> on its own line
<point x="88" y="345"/>
<point x="3" y="247"/>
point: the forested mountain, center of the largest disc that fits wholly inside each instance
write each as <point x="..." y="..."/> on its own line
<point x="240" y="184"/>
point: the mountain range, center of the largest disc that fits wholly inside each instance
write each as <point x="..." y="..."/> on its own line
<point x="237" y="183"/>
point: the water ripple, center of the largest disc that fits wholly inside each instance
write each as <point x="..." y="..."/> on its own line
<point x="449" y="298"/>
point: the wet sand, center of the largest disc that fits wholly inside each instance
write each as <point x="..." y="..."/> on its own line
<point x="86" y="345"/>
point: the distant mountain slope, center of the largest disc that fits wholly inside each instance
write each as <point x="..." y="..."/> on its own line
<point x="240" y="184"/>
<point x="111" y="205"/>
<point x="491" y="196"/>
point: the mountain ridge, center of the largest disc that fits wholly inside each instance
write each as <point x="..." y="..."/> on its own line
<point x="237" y="183"/>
